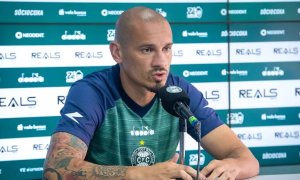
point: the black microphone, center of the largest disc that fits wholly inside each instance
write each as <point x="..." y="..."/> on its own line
<point x="176" y="102"/>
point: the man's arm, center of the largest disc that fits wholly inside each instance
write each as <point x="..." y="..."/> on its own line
<point x="234" y="159"/>
<point x="65" y="160"/>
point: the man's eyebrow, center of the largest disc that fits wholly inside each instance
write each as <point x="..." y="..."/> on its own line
<point x="153" y="45"/>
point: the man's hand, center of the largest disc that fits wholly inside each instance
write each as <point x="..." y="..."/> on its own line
<point x="171" y="170"/>
<point x="221" y="170"/>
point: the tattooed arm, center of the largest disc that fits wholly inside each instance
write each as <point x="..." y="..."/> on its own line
<point x="65" y="161"/>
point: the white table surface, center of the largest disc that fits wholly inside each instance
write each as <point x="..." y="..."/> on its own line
<point x="277" y="177"/>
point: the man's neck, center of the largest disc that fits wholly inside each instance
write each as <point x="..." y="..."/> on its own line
<point x="139" y="95"/>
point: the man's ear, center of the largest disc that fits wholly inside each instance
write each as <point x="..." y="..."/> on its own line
<point x="115" y="50"/>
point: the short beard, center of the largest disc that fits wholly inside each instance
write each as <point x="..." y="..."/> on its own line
<point x="157" y="86"/>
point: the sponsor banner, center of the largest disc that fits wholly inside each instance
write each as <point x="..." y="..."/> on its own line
<point x="29" y="127"/>
<point x="24" y="169"/>
<point x="264" y="117"/>
<point x="265" y="94"/>
<point x="264" y="52"/>
<point x="66" y="12"/>
<point x="263" y="32"/>
<point x="200" y="72"/>
<point x="269" y="135"/>
<point x="44" y="77"/>
<point x="55" y="56"/>
<point x="215" y="93"/>
<point x="24" y="148"/>
<point x="263" y="71"/>
<point x="279" y="155"/>
<point x="32" y="102"/>
<point x="267" y="11"/>
<point x="56" y="35"/>
<point x="201" y="53"/>
<point x="199" y="33"/>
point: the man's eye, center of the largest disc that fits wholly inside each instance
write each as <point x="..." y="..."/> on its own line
<point x="167" y="48"/>
<point x="146" y="50"/>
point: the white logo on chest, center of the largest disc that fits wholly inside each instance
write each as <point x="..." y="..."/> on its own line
<point x="145" y="131"/>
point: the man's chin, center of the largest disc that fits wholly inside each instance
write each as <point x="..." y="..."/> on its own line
<point x="157" y="86"/>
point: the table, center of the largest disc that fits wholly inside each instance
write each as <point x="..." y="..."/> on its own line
<point x="277" y="177"/>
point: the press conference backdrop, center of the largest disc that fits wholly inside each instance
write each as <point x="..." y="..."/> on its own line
<point x="243" y="55"/>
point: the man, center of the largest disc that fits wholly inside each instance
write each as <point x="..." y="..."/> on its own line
<point x="113" y="126"/>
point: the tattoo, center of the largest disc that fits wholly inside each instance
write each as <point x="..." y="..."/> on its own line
<point x="50" y="173"/>
<point x="63" y="163"/>
<point x="109" y="171"/>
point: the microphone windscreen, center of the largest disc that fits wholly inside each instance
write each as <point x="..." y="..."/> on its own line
<point x="171" y="94"/>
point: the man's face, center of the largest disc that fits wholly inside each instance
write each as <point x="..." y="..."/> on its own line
<point x="147" y="56"/>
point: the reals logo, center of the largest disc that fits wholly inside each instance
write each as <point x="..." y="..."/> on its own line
<point x="62" y="12"/>
<point x="256" y="51"/>
<point x="194" y="159"/>
<point x="275" y="72"/>
<point x="194" y="12"/>
<point x="89" y="55"/>
<point x="287" y="135"/>
<point x="274" y="155"/>
<point x="161" y="12"/>
<point x="212" y="95"/>
<point x="297" y="91"/>
<point x="35" y="78"/>
<point x="110" y="34"/>
<point x="61" y="99"/>
<point x="187" y="73"/>
<point x="235" y="118"/>
<point x="248" y="136"/>
<point x="11" y="56"/>
<point x="76" y="36"/>
<point x="22" y="12"/>
<point x="20" y="35"/>
<point x="203" y="52"/>
<point x="264" y="32"/>
<point x="250" y="93"/>
<point x="177" y="53"/>
<point x="20" y="127"/>
<point x="73" y="76"/>
<point x="284" y="51"/>
<point x="105" y="12"/>
<point x="40" y="147"/>
<point x="185" y="33"/>
<point x="9" y="149"/>
<point x="15" y="102"/>
<point x="45" y="55"/>
<point x="144" y="132"/>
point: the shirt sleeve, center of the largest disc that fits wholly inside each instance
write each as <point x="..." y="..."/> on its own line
<point x="82" y="112"/>
<point x="206" y="115"/>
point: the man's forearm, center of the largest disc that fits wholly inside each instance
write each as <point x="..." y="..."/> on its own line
<point x="72" y="168"/>
<point x="245" y="160"/>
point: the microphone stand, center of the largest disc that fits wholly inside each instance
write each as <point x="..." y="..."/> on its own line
<point x="183" y="132"/>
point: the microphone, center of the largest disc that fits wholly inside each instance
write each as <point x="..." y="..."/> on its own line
<point x="176" y="102"/>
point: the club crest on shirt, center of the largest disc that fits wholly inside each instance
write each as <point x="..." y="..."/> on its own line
<point x="142" y="156"/>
